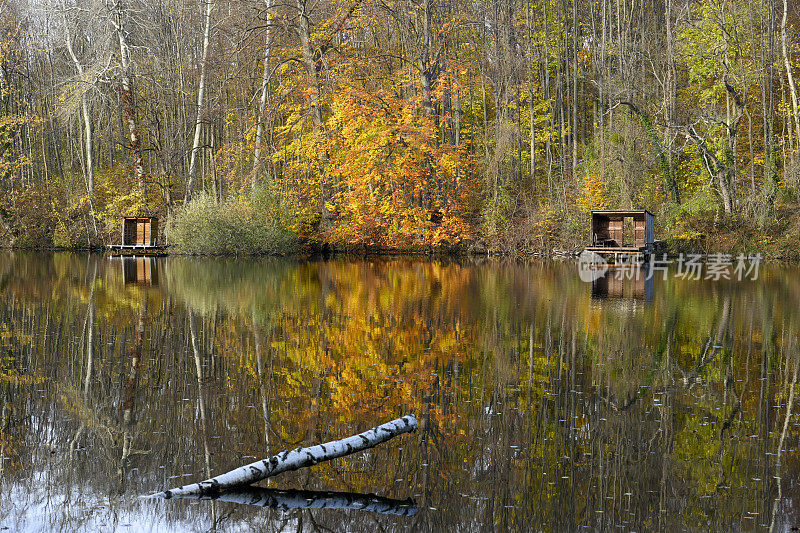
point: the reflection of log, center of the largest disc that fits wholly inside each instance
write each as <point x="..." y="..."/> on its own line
<point x="308" y="499"/>
<point x="295" y="459"/>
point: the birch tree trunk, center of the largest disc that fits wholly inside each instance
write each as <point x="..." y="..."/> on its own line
<point x="201" y="93"/>
<point x="262" y="104"/>
<point x="295" y="459"/>
<point x="87" y="123"/>
<point x="790" y="77"/>
<point x="307" y="499"/>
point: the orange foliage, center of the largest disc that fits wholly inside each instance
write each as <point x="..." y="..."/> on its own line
<point x="396" y="185"/>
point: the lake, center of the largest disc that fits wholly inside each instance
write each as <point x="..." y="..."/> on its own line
<point x="545" y="402"/>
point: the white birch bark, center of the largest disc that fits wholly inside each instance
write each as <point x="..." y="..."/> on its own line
<point x="262" y="105"/>
<point x="295" y="459"/>
<point x="87" y="123"/>
<point x="789" y="75"/>
<point x="201" y="92"/>
<point x="305" y="499"/>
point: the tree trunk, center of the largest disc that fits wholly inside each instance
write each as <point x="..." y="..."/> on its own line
<point x="790" y="77"/>
<point x="295" y="459"/>
<point x="671" y="101"/>
<point x="425" y="74"/>
<point x="603" y="98"/>
<point x="729" y="178"/>
<point x="574" y="89"/>
<point x="128" y="102"/>
<point x="719" y="170"/>
<point x="532" y="132"/>
<point x="770" y="173"/>
<point x="87" y="122"/>
<point x="304" y="33"/>
<point x="263" y="101"/>
<point x="201" y="93"/>
<point x="129" y="112"/>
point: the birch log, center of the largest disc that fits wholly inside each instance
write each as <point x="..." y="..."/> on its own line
<point x="295" y="459"/>
<point x="308" y="499"/>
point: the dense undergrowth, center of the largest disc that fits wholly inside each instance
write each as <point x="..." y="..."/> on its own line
<point x="254" y="223"/>
<point x="262" y="222"/>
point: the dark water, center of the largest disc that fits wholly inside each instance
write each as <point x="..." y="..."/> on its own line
<point x="545" y="403"/>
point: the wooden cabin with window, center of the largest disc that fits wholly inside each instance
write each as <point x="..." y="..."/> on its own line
<point x="138" y="233"/>
<point x="622" y="232"/>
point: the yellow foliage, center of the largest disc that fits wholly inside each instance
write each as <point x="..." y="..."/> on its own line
<point x="593" y="195"/>
<point x="397" y="186"/>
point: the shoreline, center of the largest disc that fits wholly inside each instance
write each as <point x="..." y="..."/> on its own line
<point x="326" y="252"/>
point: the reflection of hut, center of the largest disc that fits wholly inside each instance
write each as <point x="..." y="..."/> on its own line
<point x="138" y="233"/>
<point x="626" y="283"/>
<point x="617" y="232"/>
<point x="139" y="270"/>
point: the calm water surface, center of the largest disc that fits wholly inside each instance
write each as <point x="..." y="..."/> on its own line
<point x="545" y="403"/>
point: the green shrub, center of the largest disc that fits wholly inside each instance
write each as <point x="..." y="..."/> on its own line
<point x="242" y="224"/>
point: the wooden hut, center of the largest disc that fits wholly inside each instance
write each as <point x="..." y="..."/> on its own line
<point x="618" y="231"/>
<point x="139" y="233"/>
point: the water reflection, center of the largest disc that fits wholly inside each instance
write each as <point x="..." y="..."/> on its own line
<point x="139" y="269"/>
<point x="536" y="405"/>
<point x="286" y="500"/>
<point x="624" y="282"/>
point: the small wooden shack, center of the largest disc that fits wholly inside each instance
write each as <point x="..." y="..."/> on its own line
<point x="139" y="232"/>
<point x="618" y="231"/>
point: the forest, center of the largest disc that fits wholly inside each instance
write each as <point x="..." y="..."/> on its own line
<point x="255" y="126"/>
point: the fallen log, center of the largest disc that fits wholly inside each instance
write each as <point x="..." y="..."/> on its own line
<point x="294" y="459"/>
<point x="309" y="499"/>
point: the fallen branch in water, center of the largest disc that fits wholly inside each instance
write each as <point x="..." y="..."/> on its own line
<point x="295" y="459"/>
<point x="307" y="499"/>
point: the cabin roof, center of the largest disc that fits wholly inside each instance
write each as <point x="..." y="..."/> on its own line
<point x="620" y="212"/>
<point x="139" y="218"/>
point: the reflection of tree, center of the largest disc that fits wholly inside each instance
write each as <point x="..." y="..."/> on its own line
<point x="779" y="449"/>
<point x="539" y="404"/>
<point x="308" y="499"/>
<point x="201" y="403"/>
<point x="265" y="376"/>
<point x="129" y="399"/>
<point x="89" y="335"/>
